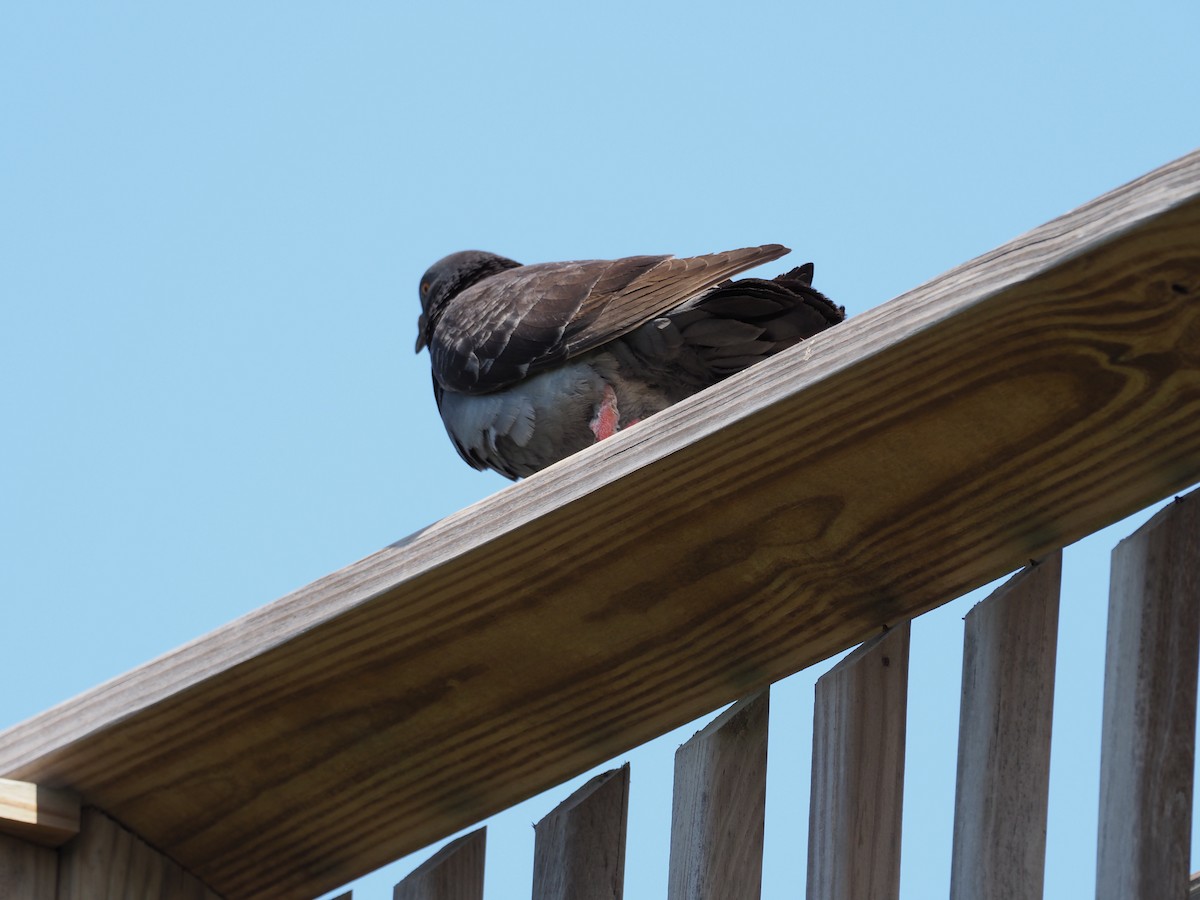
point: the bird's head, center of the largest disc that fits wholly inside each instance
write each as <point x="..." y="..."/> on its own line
<point x="447" y="278"/>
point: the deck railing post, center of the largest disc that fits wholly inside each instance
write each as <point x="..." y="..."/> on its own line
<point x="858" y="772"/>
<point x="27" y="871"/>
<point x="108" y="862"/>
<point x="579" y="847"/>
<point x="719" y="803"/>
<point x="453" y="873"/>
<point x="1148" y="739"/>
<point x="1005" y="717"/>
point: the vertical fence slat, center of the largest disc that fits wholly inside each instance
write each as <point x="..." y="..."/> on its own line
<point x="858" y="773"/>
<point x="1147" y="744"/>
<point x="717" y="810"/>
<point x="107" y="862"/>
<point x="27" y="871"/>
<point x="579" y="847"/>
<point x="1004" y="739"/>
<point x="453" y="873"/>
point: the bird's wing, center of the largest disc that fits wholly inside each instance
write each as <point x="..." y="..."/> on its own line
<point x="525" y="319"/>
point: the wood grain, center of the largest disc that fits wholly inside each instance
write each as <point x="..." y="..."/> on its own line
<point x="453" y="873"/>
<point x="579" y="847"/>
<point x="718" y="806"/>
<point x="857" y="798"/>
<point x="27" y="871"/>
<point x="886" y="466"/>
<point x="1147" y="749"/>
<point x="1000" y="803"/>
<point x="108" y="862"/>
<point x="38" y="814"/>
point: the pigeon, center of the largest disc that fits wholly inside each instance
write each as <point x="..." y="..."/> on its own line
<point x="532" y="363"/>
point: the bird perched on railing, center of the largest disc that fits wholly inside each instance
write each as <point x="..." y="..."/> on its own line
<point x="533" y="363"/>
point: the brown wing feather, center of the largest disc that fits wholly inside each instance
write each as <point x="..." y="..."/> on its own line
<point x="525" y="319"/>
<point x="665" y="286"/>
<point x="497" y="331"/>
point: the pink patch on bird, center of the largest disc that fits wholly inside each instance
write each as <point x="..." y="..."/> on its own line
<point x="604" y="423"/>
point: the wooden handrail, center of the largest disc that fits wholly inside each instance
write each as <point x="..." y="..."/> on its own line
<point x="1004" y="409"/>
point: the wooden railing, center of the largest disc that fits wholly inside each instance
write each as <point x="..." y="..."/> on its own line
<point x="992" y="416"/>
<point x="999" y="845"/>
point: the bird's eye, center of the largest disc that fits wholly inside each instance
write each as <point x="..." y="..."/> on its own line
<point x="424" y="288"/>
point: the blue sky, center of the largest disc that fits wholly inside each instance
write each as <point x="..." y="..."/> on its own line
<point x="212" y="223"/>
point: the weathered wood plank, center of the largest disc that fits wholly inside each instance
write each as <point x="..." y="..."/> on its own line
<point x="857" y="797"/>
<point x="453" y="873"/>
<point x="1147" y="748"/>
<point x="1000" y="803"/>
<point x="108" y="862"/>
<point x="27" y="871"/>
<point x="579" y="847"/>
<point x="38" y="814"/>
<point x="1002" y="410"/>
<point x="719" y="801"/>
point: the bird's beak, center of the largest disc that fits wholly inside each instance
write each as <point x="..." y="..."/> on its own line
<point x="421" y="333"/>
